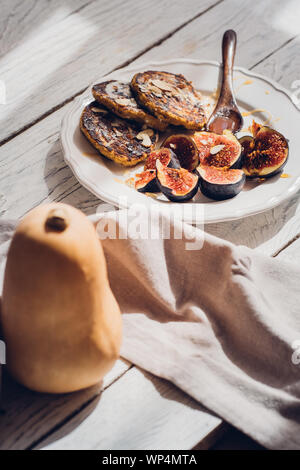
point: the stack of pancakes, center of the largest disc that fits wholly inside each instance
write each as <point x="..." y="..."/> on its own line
<point x="123" y="121"/>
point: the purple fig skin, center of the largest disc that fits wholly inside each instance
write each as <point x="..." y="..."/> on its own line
<point x="220" y="192"/>
<point x="258" y="173"/>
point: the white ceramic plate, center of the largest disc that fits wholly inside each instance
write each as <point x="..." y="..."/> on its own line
<point x="106" y="179"/>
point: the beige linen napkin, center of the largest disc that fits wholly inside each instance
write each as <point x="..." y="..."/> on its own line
<point x="220" y="322"/>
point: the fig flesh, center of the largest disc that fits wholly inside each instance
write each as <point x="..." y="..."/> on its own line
<point x="146" y="182"/>
<point x="264" y="154"/>
<point x="222" y="151"/>
<point x="220" y="183"/>
<point x="178" y="185"/>
<point x="166" y="156"/>
<point x="185" y="149"/>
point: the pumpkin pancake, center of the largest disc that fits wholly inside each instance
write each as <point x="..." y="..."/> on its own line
<point x="118" y="97"/>
<point x="121" y="141"/>
<point x="169" y="97"/>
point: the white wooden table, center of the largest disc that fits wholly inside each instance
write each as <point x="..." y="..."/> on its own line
<point x="50" y="51"/>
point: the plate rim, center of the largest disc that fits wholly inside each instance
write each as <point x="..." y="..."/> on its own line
<point x="238" y="213"/>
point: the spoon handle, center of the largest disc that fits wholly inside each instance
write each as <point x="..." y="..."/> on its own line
<point x="228" y="53"/>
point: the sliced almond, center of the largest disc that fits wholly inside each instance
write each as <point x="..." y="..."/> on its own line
<point x="146" y="141"/>
<point x="156" y="91"/>
<point x="124" y="101"/>
<point x="162" y="85"/>
<point x="146" y="132"/>
<point x="99" y="110"/>
<point x="216" y="149"/>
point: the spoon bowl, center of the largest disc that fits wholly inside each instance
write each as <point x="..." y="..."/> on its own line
<point x="225" y="119"/>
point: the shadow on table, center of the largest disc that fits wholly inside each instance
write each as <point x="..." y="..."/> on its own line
<point x="28" y="418"/>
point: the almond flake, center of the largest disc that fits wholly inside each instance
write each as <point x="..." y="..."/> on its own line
<point x="99" y="110"/>
<point x="123" y="101"/>
<point x="216" y="149"/>
<point x="156" y="91"/>
<point x="162" y="85"/>
<point x="146" y="141"/>
<point x="145" y="133"/>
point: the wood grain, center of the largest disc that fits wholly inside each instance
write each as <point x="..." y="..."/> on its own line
<point x="26" y="416"/>
<point x="19" y="19"/>
<point x="284" y="66"/>
<point x="152" y="414"/>
<point x="260" y="31"/>
<point x="67" y="47"/>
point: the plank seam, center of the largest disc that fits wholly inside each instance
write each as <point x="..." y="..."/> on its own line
<point x="274" y="52"/>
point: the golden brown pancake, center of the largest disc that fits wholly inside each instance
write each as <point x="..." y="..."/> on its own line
<point x="118" y="97"/>
<point x="169" y="97"/>
<point x="121" y="141"/>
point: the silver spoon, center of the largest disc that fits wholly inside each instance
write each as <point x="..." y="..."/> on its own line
<point x="226" y="114"/>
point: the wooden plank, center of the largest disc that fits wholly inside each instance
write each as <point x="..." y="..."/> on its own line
<point x="268" y="232"/>
<point x="18" y="19"/>
<point x="284" y="66"/>
<point x="139" y="411"/>
<point x="34" y="160"/>
<point x="57" y="59"/>
<point x="26" y="416"/>
<point x="261" y="29"/>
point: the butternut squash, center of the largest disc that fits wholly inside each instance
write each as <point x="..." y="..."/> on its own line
<point x="60" y="319"/>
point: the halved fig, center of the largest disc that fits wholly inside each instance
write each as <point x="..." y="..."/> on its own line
<point x="222" y="151"/>
<point x="166" y="156"/>
<point x="220" y="183"/>
<point x="264" y="154"/>
<point x="146" y="182"/>
<point x="185" y="149"/>
<point x="177" y="185"/>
